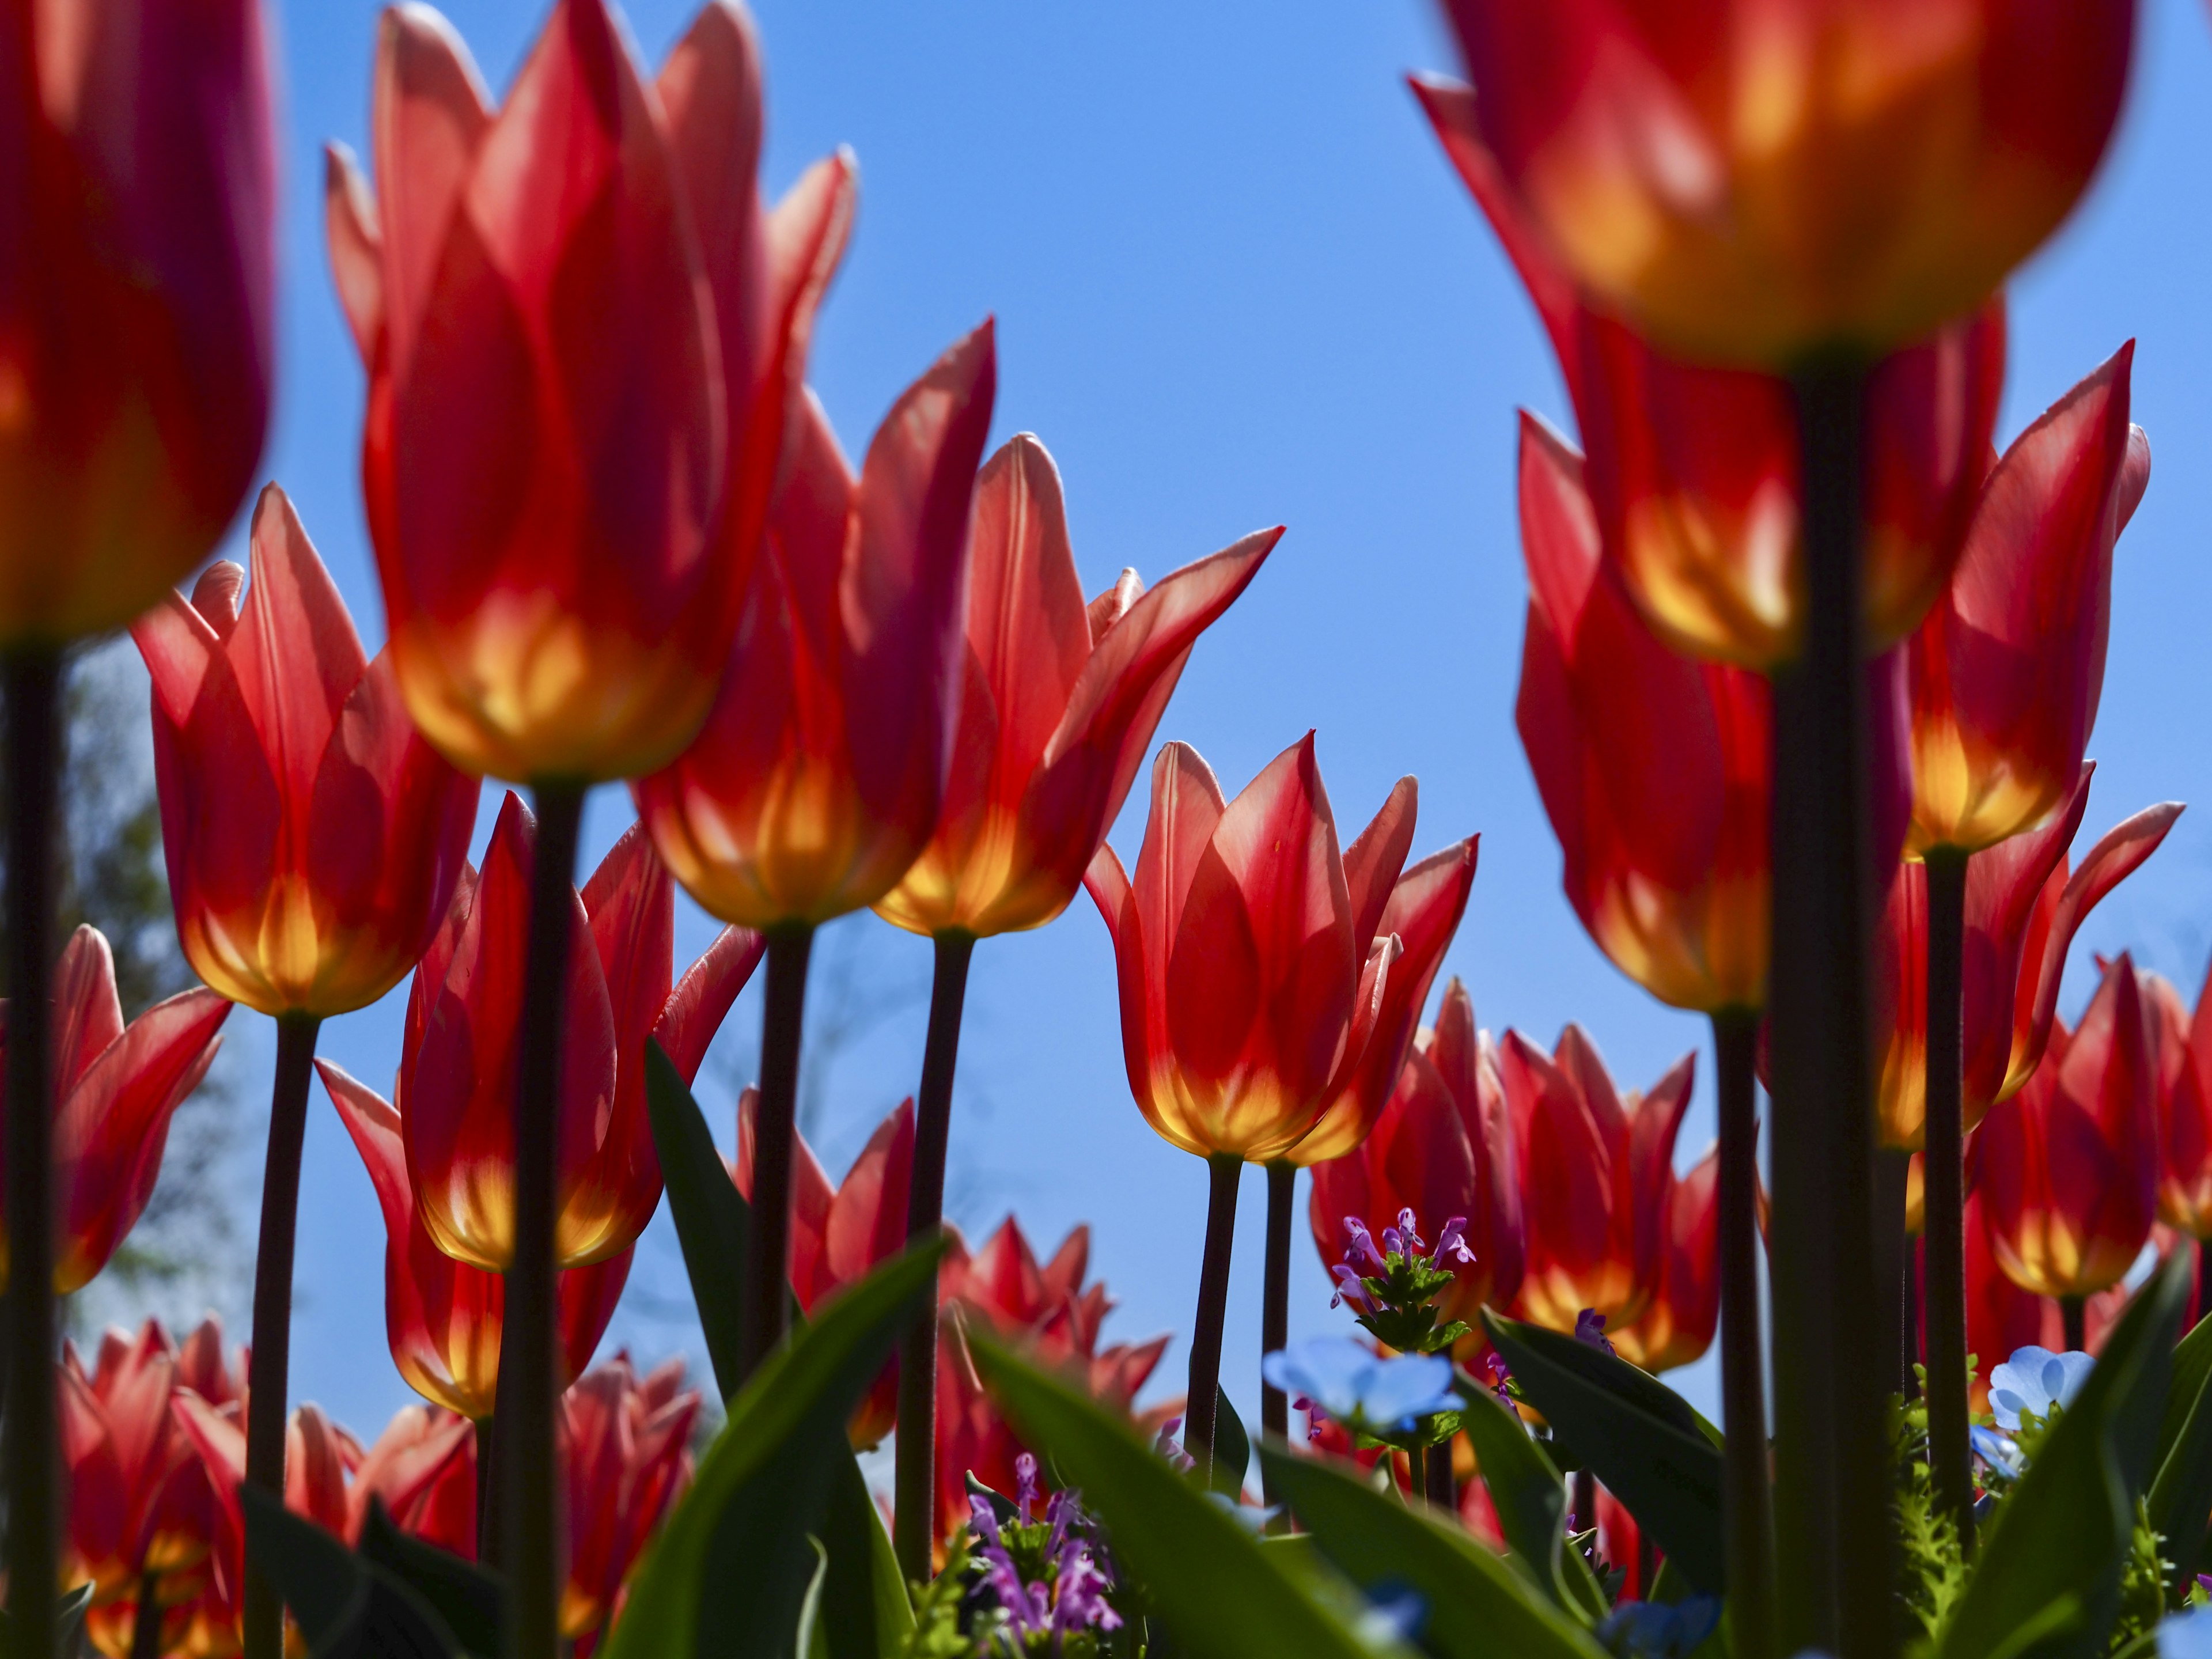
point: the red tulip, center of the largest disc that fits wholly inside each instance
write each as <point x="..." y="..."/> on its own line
<point x="1442" y="1148"/>
<point x="1059" y="703"/>
<point x="1756" y="183"/>
<point x="1254" y="977"/>
<point x="423" y="1469"/>
<point x="1597" y="1178"/>
<point x="114" y="1088"/>
<point x="312" y="837"/>
<point x="839" y="1234"/>
<point x="442" y="1316"/>
<point x="2183" y="1043"/>
<point x="626" y="1444"/>
<point x="2023" y="906"/>
<point x="2002" y="1317"/>
<point x="456" y="1087"/>
<point x="2068" y="1171"/>
<point x="1677" y="1324"/>
<point x="138" y="305"/>
<point x="819" y="776"/>
<point x="1047" y="1309"/>
<point x="2007" y="670"/>
<point x="548" y="448"/>
<point x="1694" y="471"/>
<point x="1619" y="1544"/>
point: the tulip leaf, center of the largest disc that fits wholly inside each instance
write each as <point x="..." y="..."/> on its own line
<point x="1530" y="1502"/>
<point x="1218" y="1593"/>
<point x="470" y="1599"/>
<point x="68" y="1641"/>
<point x="2181" y="1491"/>
<point x="2047" y="1582"/>
<point x="867" y="1613"/>
<point x="731" y="1568"/>
<point x="1233" y="1447"/>
<point x="1641" y="1438"/>
<point x="812" y="1641"/>
<point x="348" y="1607"/>
<point x="713" y="1221"/>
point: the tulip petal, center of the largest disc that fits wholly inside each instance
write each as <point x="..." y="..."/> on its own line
<point x="1377" y="856"/>
<point x="696" y="1009"/>
<point x="356" y="247"/>
<point x="866" y="1222"/>
<point x="87" y="1011"/>
<point x="811" y="1198"/>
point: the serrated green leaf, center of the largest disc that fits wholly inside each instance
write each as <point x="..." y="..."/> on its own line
<point x="711" y="1219"/>
<point x="1530" y="1502"/>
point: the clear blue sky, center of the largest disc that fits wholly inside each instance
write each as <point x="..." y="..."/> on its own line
<point x="1236" y="284"/>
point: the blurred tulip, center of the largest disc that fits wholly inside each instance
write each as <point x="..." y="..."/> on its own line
<point x="1049" y="1311"/>
<point x="819" y="776"/>
<point x="1677" y="1324"/>
<point x="626" y="1445"/>
<point x="115" y="1087"/>
<point x="1598" y="1179"/>
<point x="1254" y="977"/>
<point x="2068" y="1172"/>
<point x="1059" y="704"/>
<point x="1620" y="1546"/>
<point x="547" y="451"/>
<point x="2024" y="904"/>
<point x="2002" y="1317"/>
<point x="456" y="1087"/>
<point x="312" y="838"/>
<point x="2007" y="670"/>
<point x="839" y="1234"/>
<point x="442" y="1316"/>
<point x="137" y="306"/>
<point x="1442" y="1147"/>
<point x="423" y="1469"/>
<point x="1758" y="183"/>
<point x="1694" y="471"/>
<point x="2183" y="1043"/>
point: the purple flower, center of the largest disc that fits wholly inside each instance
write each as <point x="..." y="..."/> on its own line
<point x="1451" y="1244"/>
<point x="984" y="1519"/>
<point x="1079" y="1600"/>
<point x="1402" y="1240"/>
<point x="1025" y="1490"/>
<point x="1359" y="1252"/>
<point x="1590" y="1330"/>
<point x="1349" y="1289"/>
<point x="1169" y="1446"/>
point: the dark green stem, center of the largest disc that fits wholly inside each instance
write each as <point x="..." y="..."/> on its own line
<point x="2073" y="1317"/>
<point x="915" y="1478"/>
<point x="269" y="1366"/>
<point x="32" y="689"/>
<point x="1943" y="1171"/>
<point x="1275" y="1309"/>
<point x="146" y="1618"/>
<point x="1223" y="1171"/>
<point x="1746" y="1507"/>
<point x="528" y="1381"/>
<point x="1441" y="1488"/>
<point x="774" y="1128"/>
<point x="487" y="1490"/>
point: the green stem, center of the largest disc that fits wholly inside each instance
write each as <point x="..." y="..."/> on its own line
<point x="1747" y="1507"/>
<point x="1223" y="1171"/>
<point x="1949" y="1458"/>
<point x="1275" y="1308"/>
<point x="2073" y="1316"/>
<point x="782" y="1026"/>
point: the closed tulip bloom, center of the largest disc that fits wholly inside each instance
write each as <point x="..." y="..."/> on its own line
<point x="2001" y="1317"/>
<point x="1694" y="471"/>
<point x="137" y="306"/>
<point x="455" y="1093"/>
<point x="1059" y="700"/>
<point x="840" y="1233"/>
<point x="2182" y="1042"/>
<point x="2068" y="1171"/>
<point x="1677" y="1324"/>
<point x="2024" y="904"/>
<point x="114" y="1088"/>
<point x="545" y="455"/>
<point x="312" y="837"/>
<point x="1597" y="1177"/>
<point x="1755" y="183"/>
<point x="443" y="1318"/>
<point x="625" y="1444"/>
<point x="2007" y="670"/>
<point x="1253" y="977"/>
<point x="817" y="778"/>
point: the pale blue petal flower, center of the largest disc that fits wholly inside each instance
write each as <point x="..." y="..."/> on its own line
<point x="2034" y="1380"/>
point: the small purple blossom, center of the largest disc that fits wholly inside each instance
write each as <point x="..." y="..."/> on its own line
<point x="1025" y="1490"/>
<point x="984" y="1519"/>
<point x="1451" y="1244"/>
<point x="1402" y="1239"/>
<point x="1590" y="1330"/>
<point x="1169" y="1446"/>
<point x="1349" y="1289"/>
<point x="1079" y="1599"/>
<point x="1360" y="1251"/>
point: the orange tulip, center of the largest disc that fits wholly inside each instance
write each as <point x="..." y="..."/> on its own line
<point x="2007" y="670"/>
<point x="137" y="309"/>
<point x="566" y="457"/>
<point x="1598" y="1179"/>
<point x="114" y="1088"/>
<point x="2068" y="1171"/>
<point x="1694" y="471"/>
<point x="1677" y="1324"/>
<point x="2024" y="904"/>
<point x="1756" y="183"/>
<point x="312" y="837"/>
<point x="1059" y="703"/>
<point x="626" y="1445"/>
<point x="455" y="1091"/>
<point x="1253" y="977"/>
<point x="817" y="778"/>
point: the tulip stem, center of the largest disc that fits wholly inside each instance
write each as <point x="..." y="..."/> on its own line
<point x="782" y="1024"/>
<point x="269" y="1366"/>
<point x="487" y="1479"/>
<point x="1441" y="1488"/>
<point x="529" y="1383"/>
<point x="1832" y="1462"/>
<point x="1747" y="1511"/>
<point x="1275" y="1308"/>
<point x="146" y="1618"/>
<point x="1223" y="1171"/>
<point x="2073" y="1320"/>
<point x="913" y="1512"/>
<point x="1949" y="1459"/>
<point x="33" y="687"/>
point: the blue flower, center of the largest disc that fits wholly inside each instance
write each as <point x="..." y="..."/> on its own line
<point x="2186" y="1635"/>
<point x="1361" y="1390"/>
<point x="1998" y="1453"/>
<point x="1655" y="1629"/>
<point x="2034" y="1380"/>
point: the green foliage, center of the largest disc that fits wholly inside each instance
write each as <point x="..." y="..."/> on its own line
<point x="346" y="1605"/>
<point x="937" y="1633"/>
<point x="2142" y="1582"/>
<point x="1932" y="1571"/>
<point x="711" y="1219"/>
<point x="1531" y="1503"/>
<point x="1401" y="1312"/>
<point x="2181" y="1491"/>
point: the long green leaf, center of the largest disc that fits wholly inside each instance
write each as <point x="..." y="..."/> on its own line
<point x="865" y="1612"/>
<point x="471" y="1600"/>
<point x="1478" y="1607"/>
<point x="2047" y="1582"/>
<point x="1220" y="1594"/>
<point x="712" y="1220"/>
<point x="2181" y="1491"/>
<point x="728" y="1573"/>
<point x="1233" y="1447"/>
<point x="1641" y="1437"/>
<point x="348" y="1607"/>
<point x="1530" y="1501"/>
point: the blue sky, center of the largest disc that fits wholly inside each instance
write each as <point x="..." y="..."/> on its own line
<point x="1236" y="284"/>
